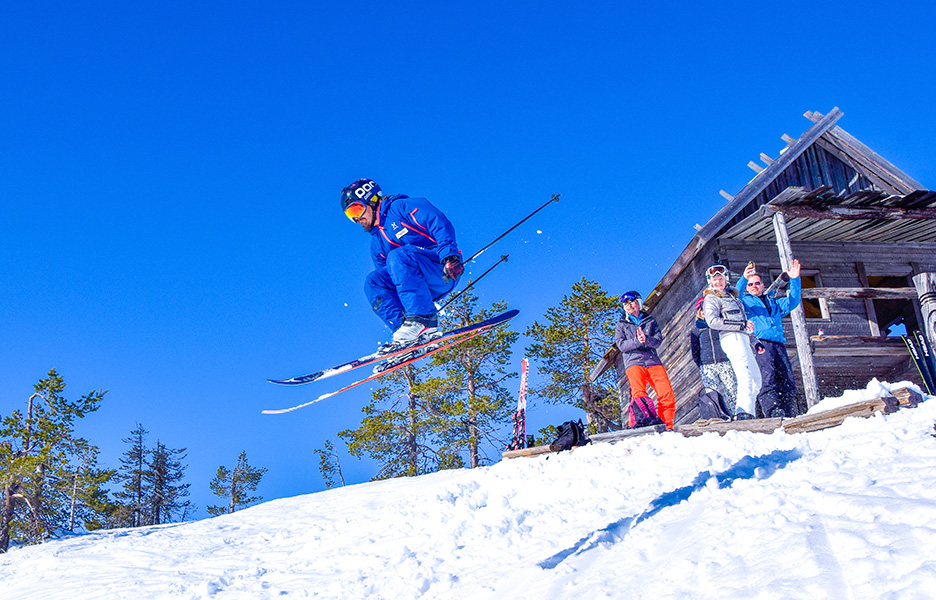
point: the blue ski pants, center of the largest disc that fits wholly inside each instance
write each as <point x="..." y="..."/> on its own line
<point x="407" y="286"/>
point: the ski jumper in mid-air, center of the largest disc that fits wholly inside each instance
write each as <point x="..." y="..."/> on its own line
<point x="416" y="258"/>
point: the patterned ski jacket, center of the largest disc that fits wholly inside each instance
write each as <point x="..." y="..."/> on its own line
<point x="402" y="220"/>
<point x="767" y="311"/>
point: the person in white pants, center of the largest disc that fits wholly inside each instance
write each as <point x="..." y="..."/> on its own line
<point x="725" y="313"/>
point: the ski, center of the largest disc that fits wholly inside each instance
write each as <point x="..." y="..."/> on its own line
<point x="926" y="352"/>
<point x="378" y="356"/>
<point x="519" y="417"/>
<point x="452" y="342"/>
<point x="919" y="362"/>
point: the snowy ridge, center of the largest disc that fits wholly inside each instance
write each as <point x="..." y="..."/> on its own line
<point x="847" y="512"/>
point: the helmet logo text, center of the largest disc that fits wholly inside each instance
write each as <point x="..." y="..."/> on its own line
<point x="364" y="189"/>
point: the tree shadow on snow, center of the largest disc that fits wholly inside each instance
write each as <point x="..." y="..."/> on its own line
<point x="749" y="467"/>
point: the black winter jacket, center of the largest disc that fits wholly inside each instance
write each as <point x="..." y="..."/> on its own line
<point x="632" y="351"/>
<point x="705" y="345"/>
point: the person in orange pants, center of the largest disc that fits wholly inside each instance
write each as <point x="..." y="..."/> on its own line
<point x="638" y="377"/>
<point x="637" y="336"/>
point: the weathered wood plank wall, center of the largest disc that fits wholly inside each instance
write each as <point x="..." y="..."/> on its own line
<point x="675" y="314"/>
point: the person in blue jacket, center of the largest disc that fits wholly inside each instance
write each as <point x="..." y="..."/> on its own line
<point x="778" y="388"/>
<point x="416" y="259"/>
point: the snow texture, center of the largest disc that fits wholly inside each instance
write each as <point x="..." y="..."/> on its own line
<point x="843" y="513"/>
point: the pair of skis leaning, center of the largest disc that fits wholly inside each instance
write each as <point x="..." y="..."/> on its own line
<point x="520" y="439"/>
<point x="395" y="358"/>
<point x="923" y="359"/>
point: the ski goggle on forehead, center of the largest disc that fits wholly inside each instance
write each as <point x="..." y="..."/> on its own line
<point x="355" y="210"/>
<point x="629" y="297"/>
<point x="717" y="270"/>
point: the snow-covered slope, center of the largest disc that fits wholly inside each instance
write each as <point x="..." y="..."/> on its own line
<point x="848" y="512"/>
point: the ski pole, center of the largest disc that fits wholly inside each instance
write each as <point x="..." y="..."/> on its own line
<point x="503" y="258"/>
<point x="555" y="198"/>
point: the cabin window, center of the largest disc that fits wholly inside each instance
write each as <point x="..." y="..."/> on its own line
<point x="894" y="317"/>
<point x="813" y="308"/>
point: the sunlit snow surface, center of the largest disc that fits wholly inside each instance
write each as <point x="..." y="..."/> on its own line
<point x="848" y="512"/>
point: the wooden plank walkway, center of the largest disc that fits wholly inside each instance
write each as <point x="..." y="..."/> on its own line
<point x="802" y="424"/>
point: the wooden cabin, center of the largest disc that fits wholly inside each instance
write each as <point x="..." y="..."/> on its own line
<point x="860" y="227"/>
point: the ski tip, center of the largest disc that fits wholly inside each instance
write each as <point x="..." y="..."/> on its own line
<point x="506" y="316"/>
<point x="280" y="411"/>
<point x="293" y="381"/>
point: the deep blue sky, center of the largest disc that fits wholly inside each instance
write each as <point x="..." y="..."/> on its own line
<point x="169" y="178"/>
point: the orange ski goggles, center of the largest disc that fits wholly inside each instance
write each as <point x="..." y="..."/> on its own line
<point x="355" y="210"/>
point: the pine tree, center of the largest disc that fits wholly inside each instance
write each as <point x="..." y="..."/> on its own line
<point x="395" y="429"/>
<point x="49" y="478"/>
<point x="429" y="417"/>
<point x="329" y="464"/>
<point x="470" y="401"/>
<point x="133" y="472"/>
<point x="165" y="492"/>
<point x="579" y="331"/>
<point x="88" y="501"/>
<point x="235" y="485"/>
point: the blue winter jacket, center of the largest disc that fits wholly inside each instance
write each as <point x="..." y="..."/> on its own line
<point x="767" y="311"/>
<point x="402" y="220"/>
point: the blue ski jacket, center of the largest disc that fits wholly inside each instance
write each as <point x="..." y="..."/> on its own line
<point x="767" y="311"/>
<point x="403" y="221"/>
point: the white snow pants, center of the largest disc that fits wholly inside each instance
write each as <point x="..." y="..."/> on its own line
<point x="737" y="347"/>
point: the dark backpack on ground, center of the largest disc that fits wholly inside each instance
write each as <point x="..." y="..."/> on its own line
<point x="570" y="434"/>
<point x="642" y="413"/>
<point x="712" y="406"/>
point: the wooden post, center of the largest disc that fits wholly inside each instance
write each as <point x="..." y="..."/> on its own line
<point x="869" y="304"/>
<point x="916" y="269"/>
<point x="534" y="451"/>
<point x="835" y="417"/>
<point x="925" y="284"/>
<point x="803" y="350"/>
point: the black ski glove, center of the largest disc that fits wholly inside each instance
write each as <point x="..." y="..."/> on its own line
<point x="452" y="268"/>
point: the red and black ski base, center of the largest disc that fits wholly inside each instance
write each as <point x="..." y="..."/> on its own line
<point x="379" y="356"/>
<point x="419" y="351"/>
